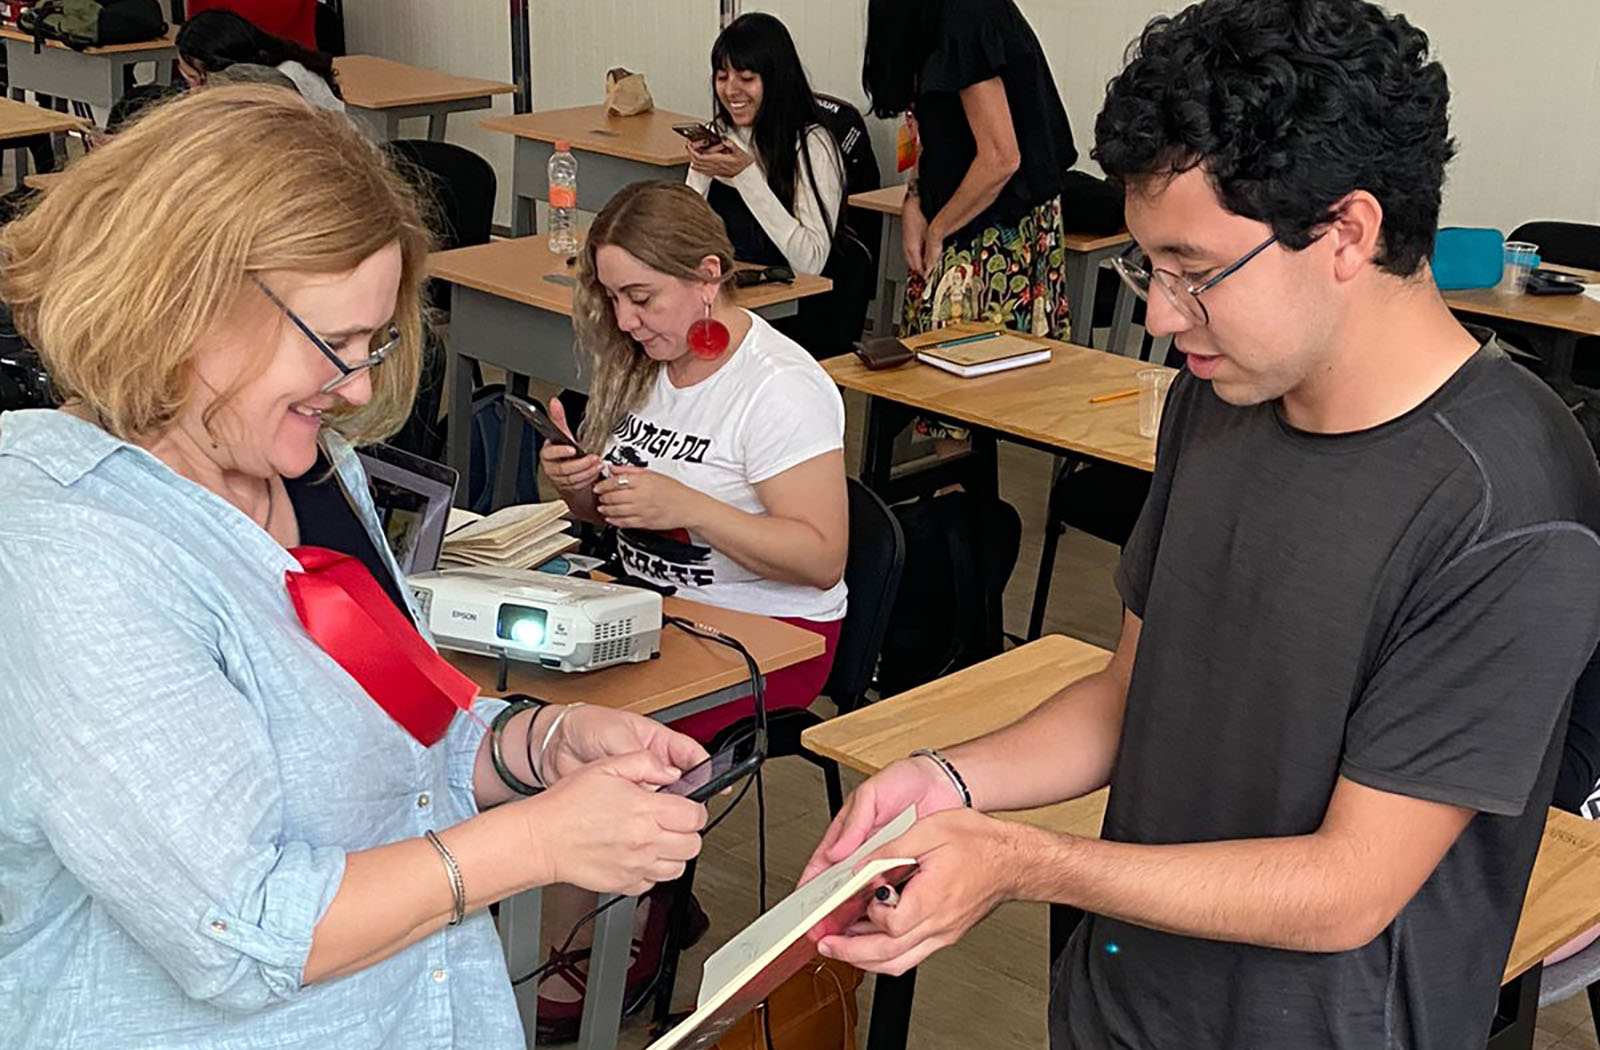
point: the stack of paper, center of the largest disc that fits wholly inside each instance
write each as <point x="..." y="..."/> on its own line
<point x="769" y="951"/>
<point x="520" y="537"/>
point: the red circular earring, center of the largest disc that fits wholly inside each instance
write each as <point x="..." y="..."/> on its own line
<point x="708" y="337"/>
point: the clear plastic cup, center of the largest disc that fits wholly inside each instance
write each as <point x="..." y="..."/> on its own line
<point x="1153" y="384"/>
<point x="1519" y="258"/>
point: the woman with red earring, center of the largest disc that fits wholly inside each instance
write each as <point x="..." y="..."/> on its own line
<point x="723" y="442"/>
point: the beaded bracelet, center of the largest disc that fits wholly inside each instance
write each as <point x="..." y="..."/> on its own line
<point x="497" y="731"/>
<point x="949" y="771"/>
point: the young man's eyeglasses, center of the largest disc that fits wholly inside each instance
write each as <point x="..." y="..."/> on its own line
<point x="1134" y="268"/>
<point x="347" y="371"/>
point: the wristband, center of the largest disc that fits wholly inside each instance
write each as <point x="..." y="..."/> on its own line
<point x="458" y="889"/>
<point x="949" y="771"/>
<point x="497" y="731"/>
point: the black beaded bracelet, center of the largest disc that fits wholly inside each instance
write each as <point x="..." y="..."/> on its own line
<point x="949" y="771"/>
<point x="497" y="730"/>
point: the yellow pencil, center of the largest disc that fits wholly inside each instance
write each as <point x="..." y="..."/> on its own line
<point x="1119" y="395"/>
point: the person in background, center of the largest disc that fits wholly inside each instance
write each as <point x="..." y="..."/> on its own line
<point x="294" y="20"/>
<point x="1357" y="599"/>
<point x="724" y="459"/>
<point x="215" y="40"/>
<point x="776" y="178"/>
<point x="214" y="836"/>
<point x="716" y="448"/>
<point x="972" y="82"/>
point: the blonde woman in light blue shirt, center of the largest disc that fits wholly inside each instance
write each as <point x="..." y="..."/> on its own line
<point x="210" y="834"/>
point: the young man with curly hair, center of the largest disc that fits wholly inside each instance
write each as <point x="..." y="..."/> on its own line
<point x="1357" y="598"/>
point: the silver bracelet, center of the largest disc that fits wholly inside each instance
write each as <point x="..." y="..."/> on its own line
<point x="949" y="771"/>
<point x="549" y="734"/>
<point x="458" y="888"/>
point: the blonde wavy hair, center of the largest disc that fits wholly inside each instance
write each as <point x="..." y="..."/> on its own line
<point x="671" y="229"/>
<point x="118" y="271"/>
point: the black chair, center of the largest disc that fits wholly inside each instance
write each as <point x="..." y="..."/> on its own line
<point x="1563" y="243"/>
<point x="461" y="186"/>
<point x="872" y="575"/>
<point x="828" y="325"/>
<point x="849" y="130"/>
<point x="1102" y="499"/>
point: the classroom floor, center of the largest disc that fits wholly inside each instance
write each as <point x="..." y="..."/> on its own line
<point x="989" y="990"/>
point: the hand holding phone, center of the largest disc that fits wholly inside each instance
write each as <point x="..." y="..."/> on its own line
<point x="541" y="422"/>
<point x="739" y="759"/>
<point x="704" y="136"/>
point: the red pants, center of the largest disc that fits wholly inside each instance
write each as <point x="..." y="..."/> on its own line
<point x="791" y="687"/>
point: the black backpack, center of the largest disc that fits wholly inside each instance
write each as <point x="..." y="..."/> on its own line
<point x="93" y="23"/>
<point x="960" y="550"/>
<point x="849" y="131"/>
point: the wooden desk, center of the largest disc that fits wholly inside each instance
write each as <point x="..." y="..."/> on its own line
<point x="1085" y="253"/>
<point x="612" y="152"/>
<point x="19" y="121"/>
<point x="381" y="93"/>
<point x="93" y="76"/>
<point x="1044" y="406"/>
<point x="690" y="676"/>
<point x="1563" y="896"/>
<point x="1567" y="318"/>
<point x="511" y="306"/>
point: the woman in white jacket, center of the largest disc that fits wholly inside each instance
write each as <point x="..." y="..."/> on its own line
<point x="776" y="179"/>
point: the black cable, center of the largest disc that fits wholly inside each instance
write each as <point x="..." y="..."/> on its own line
<point x="758" y="694"/>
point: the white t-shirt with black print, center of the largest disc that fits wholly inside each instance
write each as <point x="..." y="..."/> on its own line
<point x="770" y="407"/>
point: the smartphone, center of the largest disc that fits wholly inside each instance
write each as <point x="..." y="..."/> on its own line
<point x="541" y="422"/>
<point x="727" y="767"/>
<point x="704" y="136"/>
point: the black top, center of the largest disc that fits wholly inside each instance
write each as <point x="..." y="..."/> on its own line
<point x="974" y="41"/>
<point x="1406" y="607"/>
<point x="750" y="241"/>
<point x="328" y="520"/>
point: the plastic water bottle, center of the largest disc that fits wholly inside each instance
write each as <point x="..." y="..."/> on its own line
<point x="563" y="200"/>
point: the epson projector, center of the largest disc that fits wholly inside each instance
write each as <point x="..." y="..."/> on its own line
<point x="559" y="622"/>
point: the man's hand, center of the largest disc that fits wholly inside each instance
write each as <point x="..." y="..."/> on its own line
<point x="966" y="866"/>
<point x="910" y="781"/>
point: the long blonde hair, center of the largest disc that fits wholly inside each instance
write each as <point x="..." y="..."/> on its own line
<point x="671" y="229"/>
<point x="120" y="269"/>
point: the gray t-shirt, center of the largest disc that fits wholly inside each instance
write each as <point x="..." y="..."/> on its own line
<point x="1406" y="606"/>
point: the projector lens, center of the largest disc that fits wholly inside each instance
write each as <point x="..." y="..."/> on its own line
<point x="522" y="625"/>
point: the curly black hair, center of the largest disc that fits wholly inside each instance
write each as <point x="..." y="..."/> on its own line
<point x="1289" y="106"/>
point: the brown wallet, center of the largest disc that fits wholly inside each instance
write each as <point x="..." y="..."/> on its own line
<point x="883" y="352"/>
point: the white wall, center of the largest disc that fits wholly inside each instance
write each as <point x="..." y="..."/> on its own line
<point x="1522" y="156"/>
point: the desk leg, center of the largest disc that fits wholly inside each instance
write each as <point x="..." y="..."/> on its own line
<point x="1082" y="273"/>
<point x="891" y="1011"/>
<point x="1122" y="325"/>
<point x="608" y="975"/>
<point x="885" y="420"/>
<point x="458" y="423"/>
<point x="519" y="921"/>
<point x="888" y="305"/>
<point x="436" y="126"/>
<point x="1514" y="1019"/>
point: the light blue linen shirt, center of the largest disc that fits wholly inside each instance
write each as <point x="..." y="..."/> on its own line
<point x="183" y="771"/>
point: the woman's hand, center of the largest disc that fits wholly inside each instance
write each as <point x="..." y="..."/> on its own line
<point x="636" y="498"/>
<point x="605" y="828"/>
<point x="590" y="733"/>
<point x="723" y="161"/>
<point x="567" y="471"/>
<point x="913" y="236"/>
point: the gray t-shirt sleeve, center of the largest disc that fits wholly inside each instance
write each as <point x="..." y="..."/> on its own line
<point x="1476" y="672"/>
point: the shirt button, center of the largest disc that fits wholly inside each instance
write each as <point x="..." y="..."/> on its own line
<point x="423" y="800"/>
<point x="438" y="976"/>
<point x="219" y="926"/>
